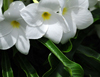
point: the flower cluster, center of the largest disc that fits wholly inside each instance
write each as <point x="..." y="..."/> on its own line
<point x="57" y="20"/>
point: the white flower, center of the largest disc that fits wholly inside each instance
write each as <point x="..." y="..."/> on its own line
<point x="77" y="15"/>
<point x="13" y="28"/>
<point x="44" y="20"/>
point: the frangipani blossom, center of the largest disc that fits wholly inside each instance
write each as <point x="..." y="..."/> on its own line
<point x="44" y="20"/>
<point x="13" y="29"/>
<point x="77" y="15"/>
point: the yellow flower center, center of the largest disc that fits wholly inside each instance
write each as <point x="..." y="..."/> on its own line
<point x="46" y="15"/>
<point x="64" y="11"/>
<point x="15" y="24"/>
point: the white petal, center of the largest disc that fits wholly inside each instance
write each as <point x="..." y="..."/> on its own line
<point x="78" y="3"/>
<point x="9" y="40"/>
<point x="57" y="18"/>
<point x="14" y="10"/>
<point x="63" y="23"/>
<point x="50" y="4"/>
<point x="22" y="43"/>
<point x="5" y="28"/>
<point x="31" y="15"/>
<point x="36" y="32"/>
<point x="92" y="3"/>
<point x="97" y="26"/>
<point x="1" y="3"/>
<point x="72" y="26"/>
<point x="83" y="18"/>
<point x="1" y="16"/>
<point x="55" y="31"/>
<point x="62" y="3"/>
<point x="23" y="24"/>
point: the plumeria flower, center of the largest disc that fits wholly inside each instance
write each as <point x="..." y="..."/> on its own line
<point x="13" y="29"/>
<point x="77" y="15"/>
<point x="44" y="20"/>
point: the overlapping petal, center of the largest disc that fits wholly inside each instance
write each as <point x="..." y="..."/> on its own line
<point x="49" y="4"/>
<point x="63" y="23"/>
<point x="82" y="17"/>
<point x="5" y="28"/>
<point x="8" y="40"/>
<point x="31" y="15"/>
<point x="72" y="27"/>
<point x="14" y="10"/>
<point x="36" y="32"/>
<point x="54" y="32"/>
<point x="1" y="3"/>
<point x="23" y="24"/>
<point x="74" y="3"/>
<point x="22" y="43"/>
<point x="78" y="3"/>
<point x="62" y="3"/>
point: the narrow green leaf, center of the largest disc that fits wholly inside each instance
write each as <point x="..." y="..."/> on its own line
<point x="90" y="62"/>
<point x="90" y="65"/>
<point x="96" y="14"/>
<point x="5" y="64"/>
<point x="75" y="69"/>
<point x="91" y="72"/>
<point x="5" y="5"/>
<point x="57" y="69"/>
<point x="76" y="42"/>
<point x="66" y="47"/>
<point x="26" y="66"/>
<point x="89" y="52"/>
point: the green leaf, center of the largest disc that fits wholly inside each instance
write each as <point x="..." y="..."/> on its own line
<point x="96" y="14"/>
<point x="89" y="52"/>
<point x="76" y="42"/>
<point x="5" y="5"/>
<point x="91" y="66"/>
<point x="5" y="64"/>
<point x="66" y="47"/>
<point x="75" y="69"/>
<point x="91" y="63"/>
<point x="91" y="73"/>
<point x="26" y="66"/>
<point x="57" y="69"/>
